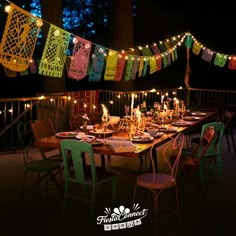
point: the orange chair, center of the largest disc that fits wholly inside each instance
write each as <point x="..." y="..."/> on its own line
<point x="190" y="163"/>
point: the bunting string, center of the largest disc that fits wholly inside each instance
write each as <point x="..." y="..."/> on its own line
<point x="89" y="59"/>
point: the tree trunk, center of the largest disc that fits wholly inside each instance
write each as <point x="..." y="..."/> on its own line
<point x="122" y="34"/>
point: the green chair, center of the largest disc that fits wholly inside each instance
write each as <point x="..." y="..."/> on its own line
<point x="213" y="157"/>
<point x="87" y="178"/>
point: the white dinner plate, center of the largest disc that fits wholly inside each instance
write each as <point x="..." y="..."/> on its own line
<point x="142" y="139"/>
<point x="181" y="123"/>
<point x="198" y="114"/>
<point x="100" y="131"/>
<point x="85" y="137"/>
<point x="66" y="134"/>
<point x="89" y="127"/>
<point x="191" y="118"/>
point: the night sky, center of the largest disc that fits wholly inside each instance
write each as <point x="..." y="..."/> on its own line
<point x="212" y="23"/>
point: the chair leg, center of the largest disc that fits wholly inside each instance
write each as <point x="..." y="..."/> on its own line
<point x="156" y="199"/>
<point x="141" y="160"/>
<point x="233" y="141"/>
<point x="93" y="201"/>
<point x="227" y="141"/>
<point x="220" y="174"/>
<point x="177" y="203"/>
<point x="67" y="189"/>
<point x="114" y="192"/>
<point x="103" y="162"/>
<point x="191" y="178"/>
<point x="134" y="194"/>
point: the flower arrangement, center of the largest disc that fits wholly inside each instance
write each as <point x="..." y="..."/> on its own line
<point x="85" y="122"/>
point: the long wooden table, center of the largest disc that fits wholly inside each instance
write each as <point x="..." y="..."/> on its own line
<point x="141" y="148"/>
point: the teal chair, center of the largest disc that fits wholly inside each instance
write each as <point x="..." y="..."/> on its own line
<point x="213" y="157"/>
<point x="86" y="177"/>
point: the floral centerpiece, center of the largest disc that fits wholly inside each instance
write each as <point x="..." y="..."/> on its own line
<point x="85" y="123"/>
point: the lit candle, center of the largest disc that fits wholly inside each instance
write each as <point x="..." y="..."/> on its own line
<point x="162" y="98"/>
<point x="132" y="101"/>
<point x="165" y="107"/>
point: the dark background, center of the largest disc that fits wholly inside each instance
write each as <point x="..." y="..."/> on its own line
<point x="211" y="23"/>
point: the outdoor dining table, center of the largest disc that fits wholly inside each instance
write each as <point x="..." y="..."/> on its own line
<point x="141" y="148"/>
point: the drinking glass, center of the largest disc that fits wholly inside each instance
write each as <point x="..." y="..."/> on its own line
<point x="142" y="124"/>
<point x="182" y="109"/>
<point x="131" y="131"/>
<point x="127" y="110"/>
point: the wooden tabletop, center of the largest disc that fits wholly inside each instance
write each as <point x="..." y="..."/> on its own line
<point x="141" y="148"/>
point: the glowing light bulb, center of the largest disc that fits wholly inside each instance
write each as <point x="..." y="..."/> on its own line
<point x="39" y="23"/>
<point x="8" y="9"/>
<point x="57" y="32"/>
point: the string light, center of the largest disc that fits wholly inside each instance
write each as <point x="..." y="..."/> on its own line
<point x="177" y="40"/>
<point x="8" y="9"/>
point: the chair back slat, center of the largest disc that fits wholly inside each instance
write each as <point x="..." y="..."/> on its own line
<point x="174" y="148"/>
<point x="205" y="141"/>
<point x="78" y="150"/>
<point x="42" y="128"/>
<point x="216" y="145"/>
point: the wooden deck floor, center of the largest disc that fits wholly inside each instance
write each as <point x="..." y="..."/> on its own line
<point x="38" y="213"/>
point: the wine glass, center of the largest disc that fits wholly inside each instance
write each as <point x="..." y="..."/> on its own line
<point x="182" y="109"/>
<point x="142" y="124"/>
<point x="127" y="110"/>
<point x="131" y="131"/>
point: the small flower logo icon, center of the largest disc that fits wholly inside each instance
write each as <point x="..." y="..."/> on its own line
<point x="120" y="211"/>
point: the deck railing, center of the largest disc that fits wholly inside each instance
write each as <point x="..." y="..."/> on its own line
<point x="60" y="108"/>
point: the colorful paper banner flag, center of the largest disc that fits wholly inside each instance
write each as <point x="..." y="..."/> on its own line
<point x="78" y="68"/>
<point x="54" y="53"/>
<point x="141" y="65"/>
<point x="120" y="66"/>
<point x="153" y="64"/>
<point x="220" y="59"/>
<point x="207" y="55"/>
<point x="232" y="63"/>
<point x="129" y="66"/>
<point x="98" y="60"/>
<point x="196" y="48"/>
<point x="111" y="65"/>
<point x="19" y="39"/>
<point x="135" y="68"/>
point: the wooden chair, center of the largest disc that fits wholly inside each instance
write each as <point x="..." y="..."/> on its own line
<point x="41" y="129"/>
<point x="44" y="168"/>
<point x="158" y="182"/>
<point x="84" y="175"/>
<point x="190" y="163"/>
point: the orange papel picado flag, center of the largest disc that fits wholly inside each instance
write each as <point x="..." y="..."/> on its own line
<point x="19" y="38"/>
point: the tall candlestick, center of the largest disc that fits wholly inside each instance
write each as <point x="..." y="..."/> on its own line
<point x="132" y="101"/>
<point x="162" y="98"/>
